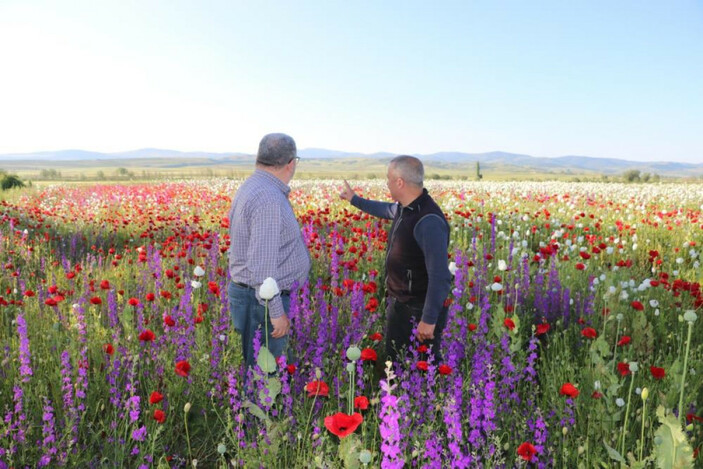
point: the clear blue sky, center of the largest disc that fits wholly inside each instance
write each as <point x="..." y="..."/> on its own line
<point x="620" y="79"/>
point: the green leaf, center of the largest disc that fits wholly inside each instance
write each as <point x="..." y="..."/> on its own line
<point x="273" y="387"/>
<point x="266" y="360"/>
<point x="600" y="347"/>
<point x="671" y="448"/>
<point x="348" y="451"/>
<point x="255" y="410"/>
<point x="614" y="454"/>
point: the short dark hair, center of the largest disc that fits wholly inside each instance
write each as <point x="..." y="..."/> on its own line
<point x="409" y="168"/>
<point x="276" y="150"/>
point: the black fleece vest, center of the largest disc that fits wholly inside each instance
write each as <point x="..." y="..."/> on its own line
<point x="406" y="274"/>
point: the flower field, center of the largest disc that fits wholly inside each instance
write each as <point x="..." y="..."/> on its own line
<point x="572" y="340"/>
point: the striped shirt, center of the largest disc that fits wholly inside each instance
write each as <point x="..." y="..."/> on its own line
<point x="266" y="239"/>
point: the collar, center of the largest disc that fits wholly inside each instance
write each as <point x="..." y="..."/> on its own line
<point x="419" y="200"/>
<point x="271" y="179"/>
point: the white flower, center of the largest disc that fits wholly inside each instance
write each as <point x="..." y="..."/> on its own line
<point x="268" y="289"/>
<point x="195" y="284"/>
<point x="633" y="367"/>
<point x="502" y="265"/>
<point x="198" y="272"/>
<point x="452" y="268"/>
<point x="653" y="303"/>
<point x="496" y="286"/>
<point x="690" y="316"/>
<point x="620" y="402"/>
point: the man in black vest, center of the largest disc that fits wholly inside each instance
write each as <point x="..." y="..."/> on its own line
<point x="417" y="275"/>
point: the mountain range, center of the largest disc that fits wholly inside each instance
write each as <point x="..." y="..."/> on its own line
<point x="447" y="160"/>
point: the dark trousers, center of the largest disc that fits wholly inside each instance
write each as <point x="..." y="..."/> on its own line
<point x="400" y="320"/>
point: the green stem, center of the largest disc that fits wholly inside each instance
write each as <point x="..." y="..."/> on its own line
<point x="615" y="347"/>
<point x="627" y="413"/>
<point x="266" y="324"/>
<point x="685" y="367"/>
<point x="644" y="414"/>
<point x="185" y="423"/>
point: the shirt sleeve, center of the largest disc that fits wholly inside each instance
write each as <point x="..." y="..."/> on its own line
<point x="432" y="235"/>
<point x="376" y="208"/>
<point x="265" y="239"/>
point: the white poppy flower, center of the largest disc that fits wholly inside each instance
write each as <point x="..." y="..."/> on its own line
<point x="452" y="268"/>
<point x="195" y="284"/>
<point x="268" y="289"/>
<point x="198" y="272"/>
<point x="502" y="265"/>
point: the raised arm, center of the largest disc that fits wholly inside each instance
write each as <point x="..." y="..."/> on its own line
<point x="372" y="207"/>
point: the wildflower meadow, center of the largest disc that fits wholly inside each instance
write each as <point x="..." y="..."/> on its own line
<point x="573" y="338"/>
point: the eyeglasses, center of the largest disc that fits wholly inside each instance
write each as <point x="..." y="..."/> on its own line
<point x="296" y="158"/>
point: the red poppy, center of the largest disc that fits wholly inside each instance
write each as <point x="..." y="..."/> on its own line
<point x="624" y="340"/>
<point x="147" y="335"/>
<point x="589" y="333"/>
<point x="542" y="328"/>
<point x="444" y="369"/>
<point x="596" y="395"/>
<point x="472" y="327"/>
<point x="422" y="348"/>
<point x="657" y="373"/>
<point x="342" y="424"/>
<point x="526" y="451"/>
<point x="50" y="302"/>
<point x="108" y="349"/>
<point x="422" y="365"/>
<point x="29" y="293"/>
<point x="580" y="266"/>
<point x="213" y="287"/>
<point x="376" y="337"/>
<point x="165" y="294"/>
<point x="637" y="305"/>
<point x="317" y="388"/>
<point x="361" y="402"/>
<point x="150" y="297"/>
<point x="509" y="323"/>
<point x="290" y="369"/>
<point x="183" y="368"/>
<point x="624" y="368"/>
<point x="168" y="320"/>
<point x="372" y="304"/>
<point x="568" y="389"/>
<point x="105" y="285"/>
<point x="96" y="300"/>
<point x="155" y="397"/>
<point x="159" y="415"/>
<point x="369" y="354"/>
<point x="133" y="302"/>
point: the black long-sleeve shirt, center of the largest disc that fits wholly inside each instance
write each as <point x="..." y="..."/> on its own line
<point x="431" y="234"/>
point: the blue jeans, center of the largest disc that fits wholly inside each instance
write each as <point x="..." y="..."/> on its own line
<point x="248" y="316"/>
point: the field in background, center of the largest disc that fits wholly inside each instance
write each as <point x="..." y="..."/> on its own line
<point x="350" y="168"/>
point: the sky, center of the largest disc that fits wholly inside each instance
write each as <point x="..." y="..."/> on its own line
<point x="608" y="79"/>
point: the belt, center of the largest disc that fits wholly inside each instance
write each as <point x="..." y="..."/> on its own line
<point x="244" y="285"/>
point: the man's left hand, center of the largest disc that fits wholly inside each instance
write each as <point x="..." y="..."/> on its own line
<point x="425" y="331"/>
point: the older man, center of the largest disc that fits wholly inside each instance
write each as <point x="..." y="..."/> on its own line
<point x="417" y="273"/>
<point x="266" y="241"/>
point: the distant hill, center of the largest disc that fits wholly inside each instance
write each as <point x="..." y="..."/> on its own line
<point x="492" y="161"/>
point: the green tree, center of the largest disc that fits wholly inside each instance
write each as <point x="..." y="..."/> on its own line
<point x="10" y="181"/>
<point x="479" y="176"/>
<point x="632" y="175"/>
